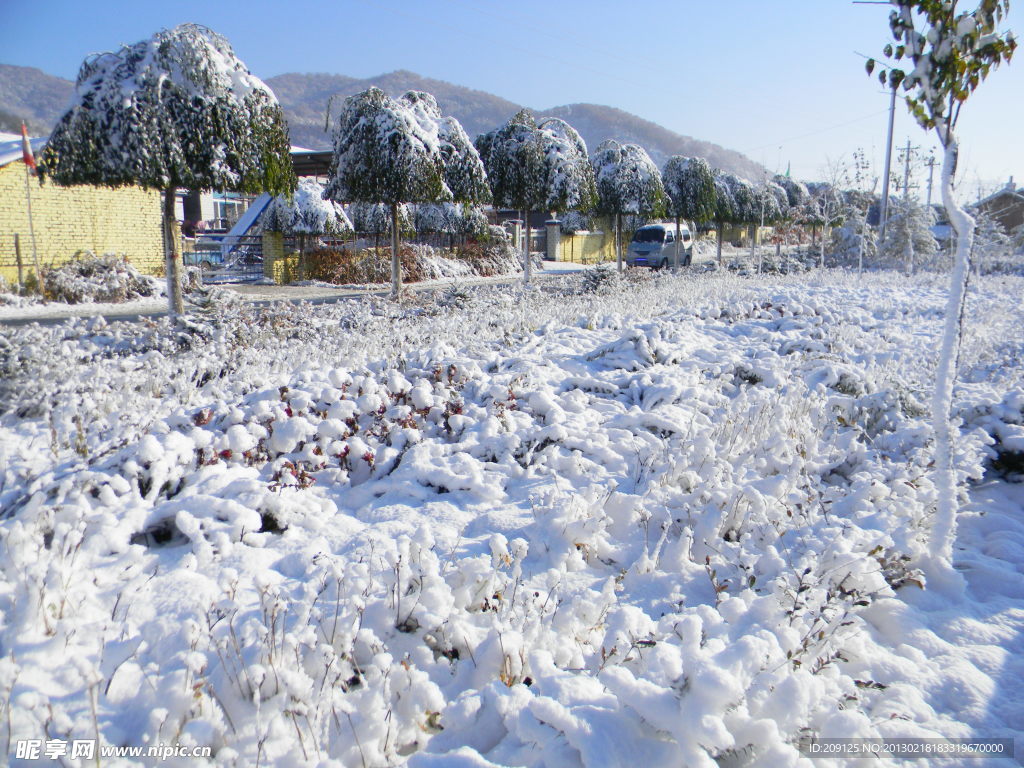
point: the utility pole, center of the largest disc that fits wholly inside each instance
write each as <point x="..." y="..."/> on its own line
<point x="931" y="170"/>
<point x="906" y="170"/>
<point x="888" y="165"/>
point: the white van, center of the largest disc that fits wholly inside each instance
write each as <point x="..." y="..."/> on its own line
<point x="654" y="245"/>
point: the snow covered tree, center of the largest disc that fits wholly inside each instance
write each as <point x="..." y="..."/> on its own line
<point x="451" y="219"/>
<point x="375" y="219"/>
<point x="306" y="213"/>
<point x="736" y="202"/>
<point x="992" y="246"/>
<point x="909" y="240"/>
<point x="570" y="177"/>
<point x="516" y="169"/>
<point x="690" y="189"/>
<point x="725" y="205"/>
<point x="951" y="52"/>
<point x="796" y="192"/>
<point x="628" y="182"/>
<point x="402" y="151"/>
<point x="825" y="208"/>
<point x="537" y="167"/>
<point x="177" y="110"/>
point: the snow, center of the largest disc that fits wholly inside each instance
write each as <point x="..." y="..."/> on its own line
<point x="306" y="212"/>
<point x="674" y="520"/>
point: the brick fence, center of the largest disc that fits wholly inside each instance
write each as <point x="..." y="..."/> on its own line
<point x="69" y="220"/>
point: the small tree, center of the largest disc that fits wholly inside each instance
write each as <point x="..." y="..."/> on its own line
<point x="908" y="235"/>
<point x="404" y="151"/>
<point x="628" y="182"/>
<point x="177" y="110"/>
<point x="306" y="213"/>
<point x="774" y="205"/>
<point x="826" y="207"/>
<point x="992" y="246"/>
<point x="690" y="192"/>
<point x="951" y="52"/>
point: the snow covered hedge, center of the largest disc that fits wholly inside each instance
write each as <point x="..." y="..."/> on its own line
<point x="88" y="278"/>
<point x="419" y="262"/>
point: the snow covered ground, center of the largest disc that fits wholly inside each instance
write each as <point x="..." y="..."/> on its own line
<point x="657" y="521"/>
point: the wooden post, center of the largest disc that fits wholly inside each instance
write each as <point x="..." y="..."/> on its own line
<point x="17" y="256"/>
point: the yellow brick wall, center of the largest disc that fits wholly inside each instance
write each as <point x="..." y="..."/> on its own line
<point x="588" y="248"/>
<point x="279" y="266"/>
<point x="80" y="218"/>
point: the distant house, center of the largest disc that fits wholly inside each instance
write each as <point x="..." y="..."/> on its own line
<point x="1006" y="206"/>
<point x="71" y="220"/>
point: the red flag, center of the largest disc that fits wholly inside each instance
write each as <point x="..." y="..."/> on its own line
<point x="26" y="149"/>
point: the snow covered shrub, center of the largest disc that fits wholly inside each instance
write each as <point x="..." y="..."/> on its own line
<point x="909" y="243"/>
<point x="419" y="262"/>
<point x="1003" y="422"/>
<point x="598" y="279"/>
<point x="852" y="242"/>
<point x="88" y="278"/>
<point x="675" y="518"/>
<point x="993" y="248"/>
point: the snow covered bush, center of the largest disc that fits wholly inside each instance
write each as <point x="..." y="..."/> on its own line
<point x="909" y="243"/>
<point x="419" y="262"/>
<point x="679" y="519"/>
<point x="88" y="278"/>
<point x="993" y="247"/>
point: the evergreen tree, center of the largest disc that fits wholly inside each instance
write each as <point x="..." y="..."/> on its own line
<point x="690" y="191"/>
<point x="908" y="235"/>
<point x="177" y="110"/>
<point x="402" y="151"/>
<point x="628" y="182"/>
<point x="306" y="213"/>
<point x="533" y="168"/>
<point x="570" y="178"/>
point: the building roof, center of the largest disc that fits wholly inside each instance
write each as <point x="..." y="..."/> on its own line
<point x="312" y="162"/>
<point x="306" y="162"/>
<point x="10" y="147"/>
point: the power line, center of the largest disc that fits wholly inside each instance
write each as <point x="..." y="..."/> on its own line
<point x="815" y="133"/>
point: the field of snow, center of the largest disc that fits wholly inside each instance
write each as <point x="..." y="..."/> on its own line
<point x="663" y="521"/>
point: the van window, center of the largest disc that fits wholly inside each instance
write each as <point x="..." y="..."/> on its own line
<point x="669" y="237"/>
<point x="649" y="235"/>
<point x="686" y="235"/>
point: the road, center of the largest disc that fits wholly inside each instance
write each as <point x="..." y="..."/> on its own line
<point x="258" y="295"/>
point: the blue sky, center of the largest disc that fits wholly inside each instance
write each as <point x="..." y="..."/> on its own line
<point x="780" y="81"/>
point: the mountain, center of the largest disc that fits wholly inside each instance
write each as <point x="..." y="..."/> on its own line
<point x="29" y="94"/>
<point x="304" y="98"/>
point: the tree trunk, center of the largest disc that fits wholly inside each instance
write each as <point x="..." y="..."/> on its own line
<point x="302" y="257"/>
<point x="908" y="251"/>
<point x="526" y="248"/>
<point x="944" y="529"/>
<point x="396" y="266"/>
<point x="618" y="241"/>
<point x="678" y="235"/>
<point x="719" y="225"/>
<point x="175" y="303"/>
